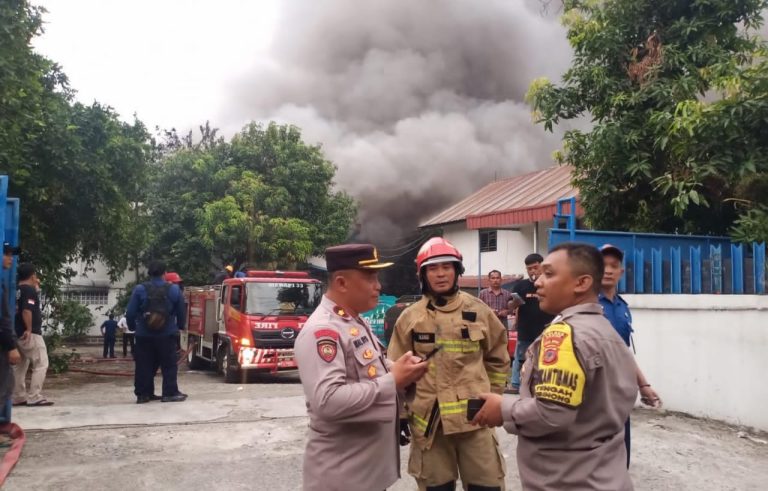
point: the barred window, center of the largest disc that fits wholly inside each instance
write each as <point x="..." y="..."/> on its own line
<point x="488" y="241"/>
<point x="90" y="296"/>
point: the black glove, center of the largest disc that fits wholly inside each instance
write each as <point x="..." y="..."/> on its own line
<point x="405" y="433"/>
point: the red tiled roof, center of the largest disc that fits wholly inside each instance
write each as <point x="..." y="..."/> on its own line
<point x="513" y="201"/>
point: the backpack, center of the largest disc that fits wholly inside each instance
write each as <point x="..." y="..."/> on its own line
<point x="156" y="306"/>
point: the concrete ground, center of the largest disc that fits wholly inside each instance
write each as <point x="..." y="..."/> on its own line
<point x="251" y="436"/>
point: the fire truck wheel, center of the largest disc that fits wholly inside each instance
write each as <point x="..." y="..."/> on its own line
<point x="195" y="362"/>
<point x="227" y="367"/>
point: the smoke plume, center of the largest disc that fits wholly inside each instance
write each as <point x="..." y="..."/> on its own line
<point x="418" y="103"/>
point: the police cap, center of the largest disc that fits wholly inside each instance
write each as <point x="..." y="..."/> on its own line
<point x="353" y="256"/>
<point x="612" y="250"/>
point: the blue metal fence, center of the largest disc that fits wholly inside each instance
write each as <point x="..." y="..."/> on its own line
<point x="675" y="264"/>
<point x="9" y="232"/>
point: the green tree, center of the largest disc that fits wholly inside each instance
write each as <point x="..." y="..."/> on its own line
<point x="264" y="198"/>
<point x="78" y="169"/>
<point x="676" y="90"/>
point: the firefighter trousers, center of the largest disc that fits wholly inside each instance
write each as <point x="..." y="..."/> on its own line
<point x="473" y="455"/>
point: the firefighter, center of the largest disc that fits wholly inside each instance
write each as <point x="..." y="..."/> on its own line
<point x="472" y="359"/>
<point x="228" y="272"/>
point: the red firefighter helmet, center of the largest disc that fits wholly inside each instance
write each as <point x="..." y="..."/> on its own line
<point x="437" y="250"/>
<point x="172" y="277"/>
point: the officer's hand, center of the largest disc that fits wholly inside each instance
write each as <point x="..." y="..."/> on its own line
<point x="649" y="397"/>
<point x="405" y="433"/>
<point x="408" y="369"/>
<point x="14" y="357"/>
<point x="490" y="413"/>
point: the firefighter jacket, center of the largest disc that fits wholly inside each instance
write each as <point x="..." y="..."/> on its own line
<point x="473" y="359"/>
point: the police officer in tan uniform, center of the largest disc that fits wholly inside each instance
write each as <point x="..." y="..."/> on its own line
<point x="350" y="388"/>
<point x="472" y="359"/>
<point x="578" y="385"/>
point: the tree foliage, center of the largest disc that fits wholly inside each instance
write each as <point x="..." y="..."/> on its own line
<point x="78" y="169"/>
<point x="264" y="198"/>
<point x="95" y="187"/>
<point x="676" y="90"/>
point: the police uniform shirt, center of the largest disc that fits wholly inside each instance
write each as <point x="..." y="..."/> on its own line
<point x="578" y="388"/>
<point x="352" y="404"/>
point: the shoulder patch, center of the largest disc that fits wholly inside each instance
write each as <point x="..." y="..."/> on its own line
<point x="327" y="346"/>
<point x="560" y="377"/>
<point x="327" y="333"/>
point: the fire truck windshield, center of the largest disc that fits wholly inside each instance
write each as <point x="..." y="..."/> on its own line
<point x="282" y="298"/>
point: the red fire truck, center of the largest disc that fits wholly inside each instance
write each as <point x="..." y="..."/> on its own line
<point x="250" y="323"/>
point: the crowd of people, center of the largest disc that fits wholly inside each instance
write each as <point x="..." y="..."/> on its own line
<point x="572" y="381"/>
<point x="439" y="387"/>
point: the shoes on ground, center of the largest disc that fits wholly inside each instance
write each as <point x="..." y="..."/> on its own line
<point x="175" y="398"/>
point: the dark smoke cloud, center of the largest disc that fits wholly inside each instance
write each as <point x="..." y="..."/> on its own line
<point x="419" y="103"/>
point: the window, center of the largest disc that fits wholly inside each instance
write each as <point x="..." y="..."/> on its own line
<point x="236" y="300"/>
<point x="90" y="296"/>
<point x="282" y="298"/>
<point x="488" y="241"/>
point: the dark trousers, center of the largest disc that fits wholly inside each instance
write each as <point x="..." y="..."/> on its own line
<point x="150" y="353"/>
<point x="128" y="338"/>
<point x="627" y="439"/>
<point x="109" y="347"/>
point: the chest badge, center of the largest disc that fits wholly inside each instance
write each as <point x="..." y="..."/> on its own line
<point x="368" y="354"/>
<point x="353" y="331"/>
<point x="371" y="371"/>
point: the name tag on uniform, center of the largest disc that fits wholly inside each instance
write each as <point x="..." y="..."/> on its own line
<point x="360" y="342"/>
<point x="469" y="316"/>
<point x="423" y="337"/>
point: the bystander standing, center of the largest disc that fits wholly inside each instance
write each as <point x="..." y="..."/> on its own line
<point x="530" y="320"/>
<point x="9" y="353"/>
<point x="496" y="297"/>
<point x="29" y="329"/>
<point x="109" y="333"/>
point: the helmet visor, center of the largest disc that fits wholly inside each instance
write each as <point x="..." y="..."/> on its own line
<point x="441" y="259"/>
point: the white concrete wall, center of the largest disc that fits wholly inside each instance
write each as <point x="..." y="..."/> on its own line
<point x="96" y="276"/>
<point x="706" y="355"/>
<point x="511" y="248"/>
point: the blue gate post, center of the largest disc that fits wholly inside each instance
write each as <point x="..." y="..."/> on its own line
<point x="676" y="264"/>
<point x="639" y="271"/>
<point x="11" y="233"/>
<point x="737" y="268"/>
<point x="656" y="277"/>
<point x="696" y="270"/>
<point x="758" y="253"/>
<point x="5" y="276"/>
<point x="716" y="268"/>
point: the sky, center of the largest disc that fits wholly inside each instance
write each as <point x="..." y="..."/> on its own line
<point x="418" y="103"/>
<point x="168" y="61"/>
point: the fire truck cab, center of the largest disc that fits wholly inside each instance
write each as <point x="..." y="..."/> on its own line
<point x="248" y="324"/>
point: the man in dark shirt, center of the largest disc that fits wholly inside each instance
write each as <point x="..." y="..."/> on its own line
<point x="109" y="331"/>
<point x="530" y="319"/>
<point x="156" y="347"/>
<point x="29" y="329"/>
<point x="9" y="354"/>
